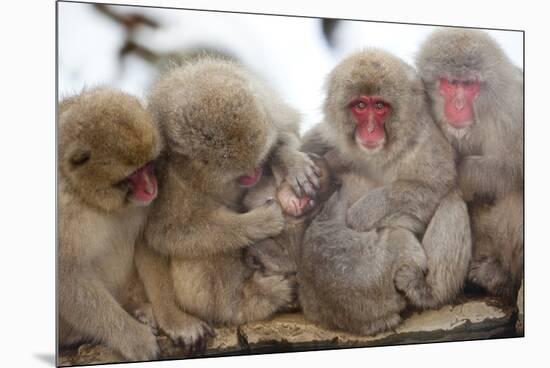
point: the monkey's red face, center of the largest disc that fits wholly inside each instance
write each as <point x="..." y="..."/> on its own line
<point x="250" y="179"/>
<point x="370" y="114"/>
<point x="143" y="185"/>
<point x="459" y="96"/>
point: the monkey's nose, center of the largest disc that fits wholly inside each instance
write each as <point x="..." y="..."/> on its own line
<point x="459" y="104"/>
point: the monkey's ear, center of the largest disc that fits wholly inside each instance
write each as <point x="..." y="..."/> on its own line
<point x="79" y="157"/>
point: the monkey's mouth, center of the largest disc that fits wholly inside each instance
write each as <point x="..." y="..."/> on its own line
<point x="250" y="179"/>
<point x="142" y="183"/>
<point x="370" y="145"/>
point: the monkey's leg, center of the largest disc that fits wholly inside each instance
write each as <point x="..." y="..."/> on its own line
<point x="448" y="246"/>
<point x="497" y="261"/>
<point x="181" y="327"/>
<point x="88" y="307"/>
<point x="222" y="290"/>
<point x="137" y="303"/>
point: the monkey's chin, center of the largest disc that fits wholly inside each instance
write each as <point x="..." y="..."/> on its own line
<point x="135" y="202"/>
<point x="370" y="148"/>
<point x="458" y="132"/>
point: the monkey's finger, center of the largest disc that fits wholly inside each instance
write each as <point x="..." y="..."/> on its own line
<point x="313" y="179"/>
<point x="297" y="187"/>
<point x="316" y="169"/>
<point x="308" y="189"/>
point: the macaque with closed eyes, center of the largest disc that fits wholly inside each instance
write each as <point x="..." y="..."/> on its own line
<point x="107" y="144"/>
<point x="223" y="129"/>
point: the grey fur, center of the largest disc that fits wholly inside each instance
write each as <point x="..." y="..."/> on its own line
<point x="490" y="150"/>
<point x="411" y="192"/>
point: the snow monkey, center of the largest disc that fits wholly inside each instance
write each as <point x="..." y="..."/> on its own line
<point x="107" y="144"/>
<point x="476" y="98"/>
<point x="361" y="258"/>
<point x="223" y="127"/>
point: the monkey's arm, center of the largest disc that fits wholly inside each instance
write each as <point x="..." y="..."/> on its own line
<point x="294" y="166"/>
<point x="488" y="176"/>
<point x="217" y="231"/>
<point x="406" y="204"/>
<point x="89" y="307"/>
<point x="314" y="141"/>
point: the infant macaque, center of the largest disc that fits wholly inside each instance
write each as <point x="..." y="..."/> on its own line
<point x="278" y="255"/>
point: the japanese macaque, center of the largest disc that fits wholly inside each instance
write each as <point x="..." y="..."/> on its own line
<point x="107" y="144"/>
<point x="361" y="260"/>
<point x="476" y="99"/>
<point x="223" y="127"/>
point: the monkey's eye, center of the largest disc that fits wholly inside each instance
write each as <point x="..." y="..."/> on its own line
<point x="454" y="82"/>
<point x="379" y="105"/>
<point x="360" y="105"/>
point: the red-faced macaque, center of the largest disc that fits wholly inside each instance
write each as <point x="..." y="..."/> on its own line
<point x="476" y="97"/>
<point x="362" y="261"/>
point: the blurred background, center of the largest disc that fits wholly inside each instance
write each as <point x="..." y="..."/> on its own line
<point x="126" y="47"/>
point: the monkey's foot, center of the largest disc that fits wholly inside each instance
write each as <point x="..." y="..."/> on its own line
<point x="138" y="343"/>
<point x="280" y="290"/>
<point x="411" y="281"/>
<point x="145" y="315"/>
<point x="190" y="332"/>
<point x="488" y="273"/>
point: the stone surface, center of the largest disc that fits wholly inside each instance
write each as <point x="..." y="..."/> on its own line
<point x="87" y="354"/>
<point x="471" y="319"/>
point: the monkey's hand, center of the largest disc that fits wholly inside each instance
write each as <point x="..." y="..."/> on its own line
<point x="303" y="175"/>
<point x="265" y="221"/>
<point x="144" y="314"/>
<point x="367" y="211"/>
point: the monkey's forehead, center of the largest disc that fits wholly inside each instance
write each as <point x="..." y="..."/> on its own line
<point x="459" y="53"/>
<point x="372" y="71"/>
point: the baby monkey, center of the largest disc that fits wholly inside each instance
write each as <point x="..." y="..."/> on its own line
<point x="107" y="144"/>
<point x="279" y="254"/>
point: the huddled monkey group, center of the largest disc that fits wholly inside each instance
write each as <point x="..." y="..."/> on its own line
<point x="204" y="207"/>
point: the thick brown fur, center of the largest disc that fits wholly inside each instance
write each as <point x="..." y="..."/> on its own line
<point x="219" y="122"/>
<point x="490" y="150"/>
<point x="414" y="195"/>
<point x="104" y="136"/>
